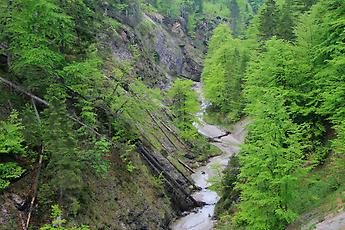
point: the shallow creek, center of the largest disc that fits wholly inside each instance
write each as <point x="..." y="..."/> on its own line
<point x="229" y="143"/>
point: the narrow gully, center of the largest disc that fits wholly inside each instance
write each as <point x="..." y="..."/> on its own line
<point x="229" y="143"/>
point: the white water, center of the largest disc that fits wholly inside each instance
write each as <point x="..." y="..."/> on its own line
<point x="201" y="218"/>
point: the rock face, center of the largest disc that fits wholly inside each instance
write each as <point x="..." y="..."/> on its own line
<point x="175" y="51"/>
<point x="165" y="48"/>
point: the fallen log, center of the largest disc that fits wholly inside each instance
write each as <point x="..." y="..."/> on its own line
<point x="175" y="135"/>
<point x="186" y="166"/>
<point x="213" y="140"/>
<point x="44" y="102"/>
<point x="223" y="135"/>
<point x="184" y="176"/>
<point x="154" y="161"/>
<point x="166" y="135"/>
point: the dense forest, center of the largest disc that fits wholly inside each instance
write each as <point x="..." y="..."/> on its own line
<point x="99" y="112"/>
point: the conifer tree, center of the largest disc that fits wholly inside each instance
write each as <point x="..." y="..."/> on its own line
<point x="268" y="19"/>
<point x="286" y="22"/>
<point x="331" y="75"/>
<point x="60" y="143"/>
<point x="235" y="17"/>
<point x="271" y="163"/>
<point x="199" y="6"/>
<point x="255" y="4"/>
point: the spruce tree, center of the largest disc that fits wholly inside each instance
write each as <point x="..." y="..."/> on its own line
<point x="184" y="103"/>
<point x="235" y="17"/>
<point x="268" y="19"/>
<point x="59" y="140"/>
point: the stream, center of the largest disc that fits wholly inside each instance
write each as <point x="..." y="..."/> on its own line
<point x="229" y="143"/>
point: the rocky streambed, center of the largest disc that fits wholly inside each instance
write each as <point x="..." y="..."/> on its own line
<point x="229" y="143"/>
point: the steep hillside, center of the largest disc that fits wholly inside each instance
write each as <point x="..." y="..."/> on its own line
<point x="117" y="160"/>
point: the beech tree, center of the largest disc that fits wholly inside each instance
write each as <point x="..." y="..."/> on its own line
<point x="11" y="145"/>
<point x="38" y="34"/>
<point x="184" y="103"/>
<point x="271" y="165"/>
<point x="223" y="73"/>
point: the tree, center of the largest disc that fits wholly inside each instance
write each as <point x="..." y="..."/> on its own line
<point x="331" y="75"/>
<point x="198" y="6"/>
<point x="268" y="19"/>
<point x="223" y="73"/>
<point x="286" y="22"/>
<point x="255" y="4"/>
<point x="38" y="34"/>
<point x="184" y="103"/>
<point x="59" y="139"/>
<point x="235" y="17"/>
<point x="84" y="21"/>
<point x="58" y="222"/>
<point x="271" y="164"/>
<point x="11" y="144"/>
<point x="169" y="8"/>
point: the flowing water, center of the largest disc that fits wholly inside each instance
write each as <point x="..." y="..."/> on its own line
<point x="229" y="143"/>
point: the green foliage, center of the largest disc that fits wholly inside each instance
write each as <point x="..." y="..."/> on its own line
<point x="11" y="136"/>
<point x="8" y="172"/>
<point x="255" y="4"/>
<point x="60" y="144"/>
<point x="268" y="17"/>
<point x="191" y="23"/>
<point x="37" y="31"/>
<point x="294" y="100"/>
<point x="216" y="8"/>
<point x="184" y="103"/>
<point x="332" y="77"/>
<point x="58" y="222"/>
<point x="271" y="163"/>
<point x="279" y="18"/>
<point x="223" y="73"/>
<point x="85" y="22"/>
<point x="294" y="94"/>
<point x="11" y="144"/>
<point x="129" y="148"/>
<point x="170" y="8"/>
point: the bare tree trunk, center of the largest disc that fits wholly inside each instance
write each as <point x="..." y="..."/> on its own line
<point x="186" y="166"/>
<point x="35" y="185"/>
